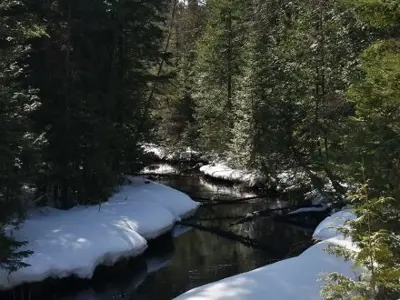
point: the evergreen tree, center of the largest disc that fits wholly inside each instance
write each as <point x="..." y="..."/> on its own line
<point x="376" y="233"/>
<point x="93" y="115"/>
<point x="17" y="28"/>
<point x="176" y="107"/>
<point x="253" y="134"/>
<point x="374" y="142"/>
<point x="220" y="57"/>
<point x="321" y="49"/>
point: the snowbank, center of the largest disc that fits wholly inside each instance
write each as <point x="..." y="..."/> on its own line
<point x="297" y="278"/>
<point x="229" y="191"/>
<point x="74" y="242"/>
<point x="224" y="172"/>
<point x="162" y="153"/>
<point x="288" y="180"/>
<point x="320" y="202"/>
<point x="329" y="227"/>
<point x="155" y="151"/>
<point x="160" y="169"/>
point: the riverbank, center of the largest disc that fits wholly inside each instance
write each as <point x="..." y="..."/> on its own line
<point x="75" y="242"/>
<point x="219" y="168"/>
<point x="295" y="278"/>
<point x="192" y="259"/>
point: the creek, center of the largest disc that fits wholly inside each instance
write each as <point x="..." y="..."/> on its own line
<point x="190" y="257"/>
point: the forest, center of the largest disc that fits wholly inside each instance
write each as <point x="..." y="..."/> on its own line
<point x="269" y="85"/>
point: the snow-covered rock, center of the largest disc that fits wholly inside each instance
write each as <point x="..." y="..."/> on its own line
<point x="224" y="172"/>
<point x="74" y="242"/>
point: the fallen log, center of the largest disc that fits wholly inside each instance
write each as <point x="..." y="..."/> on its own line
<point x="263" y="213"/>
<point x="235" y="237"/>
<point x="210" y="201"/>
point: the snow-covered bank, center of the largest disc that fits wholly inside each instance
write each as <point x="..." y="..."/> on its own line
<point x="283" y="181"/>
<point x="165" y="154"/>
<point x="295" y="278"/>
<point x="74" y="242"/>
<point x="224" y="172"/>
<point x="291" y="179"/>
<point x="330" y="226"/>
<point x="319" y="203"/>
<point x="160" y="169"/>
<point x="222" y="190"/>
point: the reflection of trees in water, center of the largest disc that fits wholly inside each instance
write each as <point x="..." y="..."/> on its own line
<point x="196" y="185"/>
<point x="201" y="257"/>
<point x="282" y="237"/>
<point x="279" y="237"/>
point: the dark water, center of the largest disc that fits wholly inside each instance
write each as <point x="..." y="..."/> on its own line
<point x="197" y="257"/>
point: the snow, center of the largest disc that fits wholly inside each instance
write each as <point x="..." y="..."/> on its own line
<point x="218" y="189"/>
<point x="329" y="227"/>
<point x="223" y="171"/>
<point x="294" y="278"/>
<point x="291" y="179"/>
<point x="308" y="209"/>
<point x="159" y="169"/>
<point x="74" y="242"/>
<point x="156" y="151"/>
<point x="180" y="230"/>
<point x="316" y="197"/>
<point x="299" y="278"/>
<point x="163" y="153"/>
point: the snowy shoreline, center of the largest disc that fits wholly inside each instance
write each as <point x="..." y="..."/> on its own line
<point x="221" y="171"/>
<point x="295" y="278"/>
<point x="76" y="241"/>
<point x="164" y="154"/>
<point x="218" y="168"/>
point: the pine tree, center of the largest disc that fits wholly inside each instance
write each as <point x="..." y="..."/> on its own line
<point x="253" y="133"/>
<point x="18" y="27"/>
<point x="220" y="56"/>
<point x="374" y="141"/>
<point x="93" y="115"/>
<point x="318" y="49"/>
<point x="176" y="107"/>
<point x="376" y="233"/>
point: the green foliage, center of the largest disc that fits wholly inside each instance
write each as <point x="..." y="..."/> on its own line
<point x="93" y="115"/>
<point x="378" y="13"/>
<point x="15" y="102"/>
<point x="218" y="67"/>
<point x="74" y="97"/>
<point x="376" y="234"/>
<point x="375" y="142"/>
<point x="377" y="117"/>
<point x="10" y="255"/>
<point x="176" y="106"/>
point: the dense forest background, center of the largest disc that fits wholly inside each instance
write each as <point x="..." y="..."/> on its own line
<point x="269" y="85"/>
